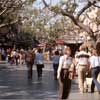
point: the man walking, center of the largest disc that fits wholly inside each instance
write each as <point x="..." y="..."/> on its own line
<point x="29" y="61"/>
<point x="83" y="66"/>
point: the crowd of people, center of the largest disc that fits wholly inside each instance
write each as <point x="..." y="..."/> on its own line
<point x="21" y="57"/>
<point x="87" y="64"/>
<point x="65" y="66"/>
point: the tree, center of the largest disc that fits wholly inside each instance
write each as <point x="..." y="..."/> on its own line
<point x="69" y="9"/>
<point x="11" y="20"/>
<point x="10" y="11"/>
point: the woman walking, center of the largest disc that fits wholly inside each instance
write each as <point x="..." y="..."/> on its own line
<point x="63" y="74"/>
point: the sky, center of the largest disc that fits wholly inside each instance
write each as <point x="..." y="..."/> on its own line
<point x="39" y="3"/>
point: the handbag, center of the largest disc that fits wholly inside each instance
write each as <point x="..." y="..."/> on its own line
<point x="42" y="65"/>
<point x="71" y="71"/>
<point x="98" y="78"/>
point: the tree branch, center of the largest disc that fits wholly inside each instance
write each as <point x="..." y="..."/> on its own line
<point x="96" y="6"/>
<point x="87" y="29"/>
<point x="89" y="4"/>
<point x="6" y="24"/>
<point x="76" y="19"/>
<point x="64" y="13"/>
<point x="3" y="11"/>
<point x="96" y="31"/>
<point x="45" y="3"/>
<point x="76" y="22"/>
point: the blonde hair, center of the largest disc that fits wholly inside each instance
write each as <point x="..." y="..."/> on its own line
<point x="81" y="48"/>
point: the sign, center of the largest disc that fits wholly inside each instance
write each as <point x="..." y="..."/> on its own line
<point x="60" y="42"/>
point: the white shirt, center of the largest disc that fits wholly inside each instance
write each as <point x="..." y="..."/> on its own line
<point x="83" y="61"/>
<point x="13" y="53"/>
<point x="38" y="58"/>
<point x="94" y="61"/>
<point x="64" y="63"/>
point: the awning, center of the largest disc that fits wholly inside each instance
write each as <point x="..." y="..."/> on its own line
<point x="72" y="39"/>
<point x="59" y="41"/>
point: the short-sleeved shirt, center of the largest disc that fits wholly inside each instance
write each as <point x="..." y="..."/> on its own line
<point x="83" y="58"/>
<point x="55" y="59"/>
<point x="65" y="61"/>
<point x="94" y="61"/>
<point x="39" y="58"/>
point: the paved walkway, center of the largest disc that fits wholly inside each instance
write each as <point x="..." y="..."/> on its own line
<point x="15" y="85"/>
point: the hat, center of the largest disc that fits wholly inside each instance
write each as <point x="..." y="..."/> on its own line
<point x="82" y="53"/>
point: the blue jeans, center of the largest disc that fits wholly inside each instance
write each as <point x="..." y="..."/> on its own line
<point x="95" y="72"/>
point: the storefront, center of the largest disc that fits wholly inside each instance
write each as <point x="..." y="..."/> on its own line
<point x="73" y="42"/>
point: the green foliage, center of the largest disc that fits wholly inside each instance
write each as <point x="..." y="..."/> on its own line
<point x="55" y="9"/>
<point x="11" y="10"/>
<point x="30" y="1"/>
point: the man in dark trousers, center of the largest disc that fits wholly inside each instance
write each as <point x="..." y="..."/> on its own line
<point x="29" y="61"/>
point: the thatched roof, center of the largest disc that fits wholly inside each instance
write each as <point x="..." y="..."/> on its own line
<point x="72" y="39"/>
